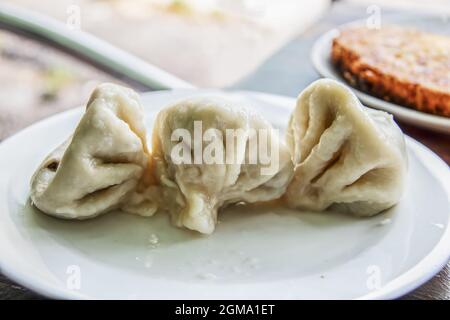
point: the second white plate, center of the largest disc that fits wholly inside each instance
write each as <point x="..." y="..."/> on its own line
<point x="321" y="58"/>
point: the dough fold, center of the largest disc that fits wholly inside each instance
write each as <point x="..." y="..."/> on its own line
<point x="346" y="156"/>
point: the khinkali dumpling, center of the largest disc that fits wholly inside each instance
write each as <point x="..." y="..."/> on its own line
<point x="101" y="164"/>
<point x="345" y="155"/>
<point x="194" y="191"/>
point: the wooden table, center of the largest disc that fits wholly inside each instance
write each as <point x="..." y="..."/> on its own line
<point x="287" y="72"/>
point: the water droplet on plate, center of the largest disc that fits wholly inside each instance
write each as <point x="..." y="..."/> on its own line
<point x="384" y="222"/>
<point x="153" y="241"/>
<point x="207" y="276"/>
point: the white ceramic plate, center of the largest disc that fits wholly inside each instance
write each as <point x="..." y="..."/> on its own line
<point x="321" y="58"/>
<point x="254" y="253"/>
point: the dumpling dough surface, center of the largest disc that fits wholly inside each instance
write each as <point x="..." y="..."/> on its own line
<point x="193" y="192"/>
<point x="345" y="155"/>
<point x="98" y="167"/>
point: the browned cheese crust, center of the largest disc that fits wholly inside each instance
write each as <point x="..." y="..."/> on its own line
<point x="397" y="64"/>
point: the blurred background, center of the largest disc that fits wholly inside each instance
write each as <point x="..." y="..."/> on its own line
<point x="261" y="45"/>
<point x="247" y="44"/>
<point x="209" y="43"/>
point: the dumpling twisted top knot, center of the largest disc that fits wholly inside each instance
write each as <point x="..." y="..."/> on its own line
<point x="100" y="164"/>
<point x="345" y="155"/>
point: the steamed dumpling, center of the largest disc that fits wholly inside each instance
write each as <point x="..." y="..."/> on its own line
<point x="194" y="191"/>
<point x="101" y="164"/>
<point x="345" y="156"/>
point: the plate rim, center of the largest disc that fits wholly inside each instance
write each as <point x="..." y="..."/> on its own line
<point x="412" y="116"/>
<point x="425" y="269"/>
<point x="417" y="276"/>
